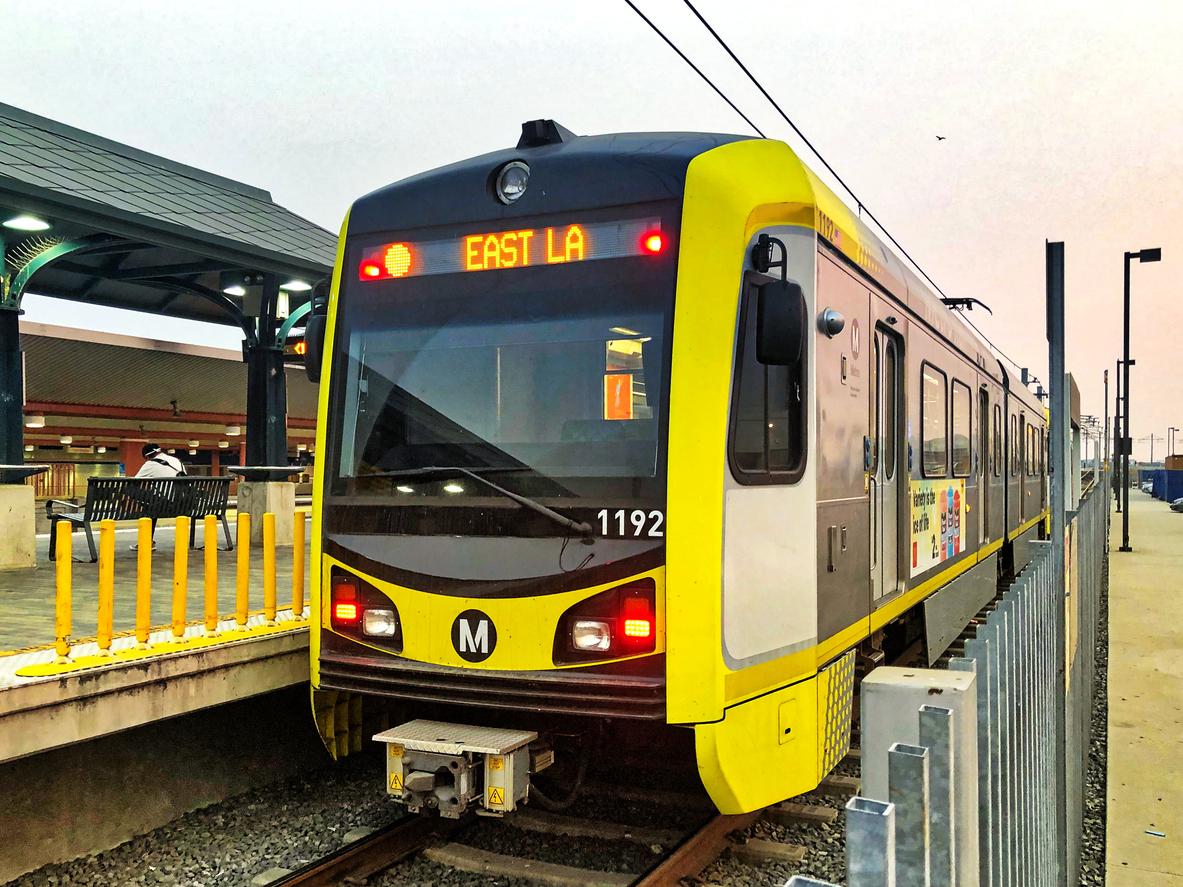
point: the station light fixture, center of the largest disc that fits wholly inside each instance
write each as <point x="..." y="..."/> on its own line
<point x="104" y="449"/>
<point x="403" y="488"/>
<point x="172" y="451"/>
<point x="66" y="439"/>
<point x="235" y="289"/>
<point x="192" y="452"/>
<point x="233" y="283"/>
<point x="295" y="285"/>
<point x="25" y="222"/>
<point x="28" y="448"/>
<point x="223" y="445"/>
<point x="194" y="444"/>
<point x="34" y="421"/>
<point x="301" y="447"/>
<point x="233" y="430"/>
<point x="453" y="487"/>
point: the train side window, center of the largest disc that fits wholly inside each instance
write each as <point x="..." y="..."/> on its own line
<point x="961" y="429"/>
<point x="934" y="407"/>
<point x="1014" y="446"/>
<point x="768" y="411"/>
<point x="997" y="440"/>
<point x="1022" y="460"/>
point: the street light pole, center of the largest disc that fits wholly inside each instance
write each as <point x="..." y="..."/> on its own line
<point x="1118" y="438"/>
<point x="1105" y="432"/>
<point x="1146" y="255"/>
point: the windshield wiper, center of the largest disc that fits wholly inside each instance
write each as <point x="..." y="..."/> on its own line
<point x="581" y="527"/>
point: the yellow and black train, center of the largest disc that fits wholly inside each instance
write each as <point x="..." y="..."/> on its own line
<point x="646" y="428"/>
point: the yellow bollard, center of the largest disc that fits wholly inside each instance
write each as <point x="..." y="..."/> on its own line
<point x="64" y="612"/>
<point x="211" y="573"/>
<point x="269" y="600"/>
<point x="298" y="565"/>
<point x="180" y="576"/>
<point x="243" y="577"/>
<point x="106" y="586"/>
<point x="143" y="581"/>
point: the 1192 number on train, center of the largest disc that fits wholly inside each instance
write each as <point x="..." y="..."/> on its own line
<point x="637" y="523"/>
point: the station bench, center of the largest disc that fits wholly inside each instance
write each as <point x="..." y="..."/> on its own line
<point x="131" y="498"/>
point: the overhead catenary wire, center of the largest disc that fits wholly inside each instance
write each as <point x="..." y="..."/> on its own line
<point x="670" y="43"/>
<point x="861" y="206"/>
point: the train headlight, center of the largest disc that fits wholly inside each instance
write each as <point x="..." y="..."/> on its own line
<point x="380" y="623"/>
<point x="511" y="181"/>
<point x="591" y="635"/>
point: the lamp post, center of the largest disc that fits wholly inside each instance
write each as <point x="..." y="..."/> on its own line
<point x="1118" y="439"/>
<point x="1171" y="433"/>
<point x="1146" y="255"/>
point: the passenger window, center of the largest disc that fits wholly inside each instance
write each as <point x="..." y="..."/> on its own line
<point x="768" y="411"/>
<point x="962" y="459"/>
<point x="997" y="440"/>
<point x="1014" y="446"/>
<point x="933" y="420"/>
<point x="891" y="420"/>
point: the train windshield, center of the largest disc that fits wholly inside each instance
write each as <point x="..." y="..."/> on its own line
<point x="549" y="383"/>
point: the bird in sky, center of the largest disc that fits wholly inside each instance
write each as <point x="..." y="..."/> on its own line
<point x="940" y="138"/>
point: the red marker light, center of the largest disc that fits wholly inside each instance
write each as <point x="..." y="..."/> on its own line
<point x="345" y="611"/>
<point x="637" y="618"/>
<point x="653" y="242"/>
<point x="370" y="269"/>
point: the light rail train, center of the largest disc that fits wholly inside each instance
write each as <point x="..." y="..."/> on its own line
<point x="629" y="434"/>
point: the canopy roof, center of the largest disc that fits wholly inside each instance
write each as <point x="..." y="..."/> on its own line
<point x="134" y="230"/>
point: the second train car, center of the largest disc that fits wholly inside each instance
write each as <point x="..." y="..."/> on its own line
<point x="641" y="428"/>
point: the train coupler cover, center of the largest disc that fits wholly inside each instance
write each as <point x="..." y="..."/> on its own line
<point x="433" y="765"/>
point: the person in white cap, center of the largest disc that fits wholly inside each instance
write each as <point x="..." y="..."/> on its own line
<point x="158" y="463"/>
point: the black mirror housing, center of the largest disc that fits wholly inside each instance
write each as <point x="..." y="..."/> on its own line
<point x="314" y="344"/>
<point x="780" y="323"/>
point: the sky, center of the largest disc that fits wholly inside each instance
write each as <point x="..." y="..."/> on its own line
<point x="1063" y="121"/>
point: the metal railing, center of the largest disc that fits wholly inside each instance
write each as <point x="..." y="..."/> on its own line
<point x="912" y="837"/>
<point x="143" y="630"/>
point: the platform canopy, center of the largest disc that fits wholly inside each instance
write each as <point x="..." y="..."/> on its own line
<point x="88" y="219"/>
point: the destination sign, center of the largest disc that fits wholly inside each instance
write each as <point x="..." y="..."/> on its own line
<point x="513" y="248"/>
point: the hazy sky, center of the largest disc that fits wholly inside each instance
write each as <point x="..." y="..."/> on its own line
<point x="1063" y="121"/>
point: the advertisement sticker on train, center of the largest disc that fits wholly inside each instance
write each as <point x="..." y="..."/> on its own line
<point x="938" y="522"/>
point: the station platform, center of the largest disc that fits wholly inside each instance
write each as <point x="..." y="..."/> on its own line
<point x="1144" y="828"/>
<point x="47" y="702"/>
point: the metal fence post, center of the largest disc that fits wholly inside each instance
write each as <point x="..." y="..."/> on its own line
<point x="870" y="843"/>
<point x="936" y="735"/>
<point x="908" y="789"/>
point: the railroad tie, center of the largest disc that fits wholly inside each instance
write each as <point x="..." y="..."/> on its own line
<point x="791" y="813"/>
<point x="758" y="851"/>
<point x="572" y="826"/>
<point x="843" y="786"/>
<point x="484" y="862"/>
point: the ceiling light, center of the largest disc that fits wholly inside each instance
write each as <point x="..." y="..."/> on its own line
<point x="194" y="443"/>
<point x="233" y="430"/>
<point x="28" y="448"/>
<point x="301" y="447"/>
<point x="624" y="331"/>
<point x="453" y="487"/>
<point x="296" y="286"/>
<point x="235" y="290"/>
<point x="34" y="421"/>
<point x="223" y="445"/>
<point x="104" y="449"/>
<point x="172" y="451"/>
<point x="26" y="223"/>
<point x="66" y="439"/>
<point x="403" y="488"/>
<point x="193" y="452"/>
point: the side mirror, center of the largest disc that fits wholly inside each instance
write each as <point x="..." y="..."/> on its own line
<point x="780" y="323"/>
<point x="314" y="344"/>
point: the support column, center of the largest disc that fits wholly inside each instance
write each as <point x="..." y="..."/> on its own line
<point x="12" y="389"/>
<point x="266" y="424"/>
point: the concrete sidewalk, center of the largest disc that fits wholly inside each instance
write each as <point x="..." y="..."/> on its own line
<point x="1145" y="782"/>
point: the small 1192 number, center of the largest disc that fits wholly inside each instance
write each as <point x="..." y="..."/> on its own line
<point x="637" y="522"/>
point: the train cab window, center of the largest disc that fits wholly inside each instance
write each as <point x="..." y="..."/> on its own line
<point x="768" y="413"/>
<point x="934" y="407"/>
<point x="997" y="440"/>
<point x="962" y="459"/>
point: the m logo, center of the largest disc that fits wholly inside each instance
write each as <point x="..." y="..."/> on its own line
<point x="474" y="636"/>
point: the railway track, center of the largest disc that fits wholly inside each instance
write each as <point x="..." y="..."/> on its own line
<point x="680" y="853"/>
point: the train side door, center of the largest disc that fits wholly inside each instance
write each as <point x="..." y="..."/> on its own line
<point x="885" y="422"/>
<point x="985" y="451"/>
